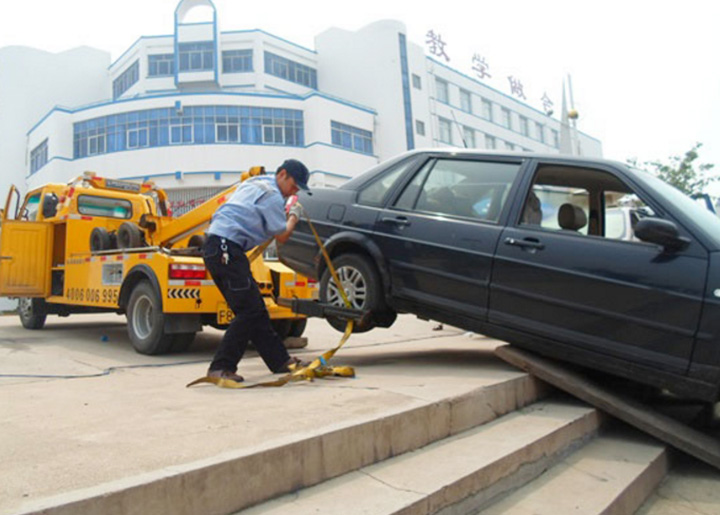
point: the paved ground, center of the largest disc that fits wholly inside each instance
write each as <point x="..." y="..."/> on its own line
<point x="59" y="434"/>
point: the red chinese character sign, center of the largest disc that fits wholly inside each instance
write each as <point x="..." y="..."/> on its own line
<point x="436" y="45"/>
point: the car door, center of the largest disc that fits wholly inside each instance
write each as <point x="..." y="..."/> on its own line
<point x="439" y="233"/>
<point x="566" y="278"/>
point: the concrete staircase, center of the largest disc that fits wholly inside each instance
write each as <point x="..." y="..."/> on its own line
<point x="547" y="458"/>
<point x="495" y="440"/>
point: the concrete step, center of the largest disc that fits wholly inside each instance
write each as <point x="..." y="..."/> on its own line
<point x="614" y="473"/>
<point x="469" y="468"/>
<point x="245" y="477"/>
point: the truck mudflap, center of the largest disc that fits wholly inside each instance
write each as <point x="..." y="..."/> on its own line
<point x="313" y="308"/>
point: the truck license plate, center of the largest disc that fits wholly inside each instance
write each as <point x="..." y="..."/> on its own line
<point x="225" y="315"/>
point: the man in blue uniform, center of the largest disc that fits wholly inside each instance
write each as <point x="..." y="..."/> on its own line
<point x="252" y="215"/>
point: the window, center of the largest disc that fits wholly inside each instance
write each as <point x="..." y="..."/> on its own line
<point x="290" y="70"/>
<point x="524" y="126"/>
<point x="196" y="57"/>
<point x="490" y="141"/>
<point x="30" y="210"/>
<point x="540" y="132"/>
<point x="465" y="101"/>
<point x="487" y="110"/>
<point x="442" y="91"/>
<point x="375" y="193"/>
<point x="137" y="137"/>
<point x="103" y="206"/>
<point x="469" y="137"/>
<point x="126" y="79"/>
<point x="555" y="141"/>
<point x="161" y="65"/>
<point x="192" y="125"/>
<point x="39" y="156"/>
<point x="505" y="117"/>
<point x="583" y="201"/>
<point x="509" y="146"/>
<point x="469" y="189"/>
<point x="237" y="61"/>
<point x="445" y="130"/>
<point x="351" y="138"/>
<point x="416" y="82"/>
<point x="420" y="127"/>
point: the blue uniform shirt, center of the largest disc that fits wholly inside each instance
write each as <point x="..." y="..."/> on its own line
<point x="253" y="214"/>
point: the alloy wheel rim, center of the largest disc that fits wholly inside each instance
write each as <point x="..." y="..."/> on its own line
<point x="354" y="284"/>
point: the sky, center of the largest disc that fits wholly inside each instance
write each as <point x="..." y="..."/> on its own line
<point x="645" y="74"/>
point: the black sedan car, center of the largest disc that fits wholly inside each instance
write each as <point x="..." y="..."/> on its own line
<point x="584" y="260"/>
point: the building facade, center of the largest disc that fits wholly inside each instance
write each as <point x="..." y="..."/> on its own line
<point x="193" y="109"/>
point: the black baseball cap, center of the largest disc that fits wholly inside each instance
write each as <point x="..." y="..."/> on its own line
<point x="297" y="171"/>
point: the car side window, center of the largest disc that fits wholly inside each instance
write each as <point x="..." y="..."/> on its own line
<point x="31" y="208"/>
<point x="583" y="201"/>
<point x="374" y="194"/>
<point x="463" y="188"/>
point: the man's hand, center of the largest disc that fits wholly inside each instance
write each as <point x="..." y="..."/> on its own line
<point x="296" y="210"/>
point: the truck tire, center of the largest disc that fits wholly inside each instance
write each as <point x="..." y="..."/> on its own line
<point x="129" y="236"/>
<point x="100" y="239"/>
<point x="32" y="312"/>
<point x="297" y="327"/>
<point x="362" y="284"/>
<point x="146" y="321"/>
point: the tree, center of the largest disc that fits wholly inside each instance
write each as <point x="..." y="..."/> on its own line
<point x="682" y="173"/>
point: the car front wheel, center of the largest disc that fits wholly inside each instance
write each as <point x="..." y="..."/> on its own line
<point x="361" y="282"/>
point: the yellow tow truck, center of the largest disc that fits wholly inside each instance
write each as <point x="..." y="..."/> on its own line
<point x="105" y="245"/>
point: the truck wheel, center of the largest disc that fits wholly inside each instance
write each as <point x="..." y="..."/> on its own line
<point x="100" y="239"/>
<point x="297" y="327"/>
<point x="181" y="341"/>
<point x="362" y="285"/>
<point x="32" y="313"/>
<point x="146" y="322"/>
<point x="129" y="236"/>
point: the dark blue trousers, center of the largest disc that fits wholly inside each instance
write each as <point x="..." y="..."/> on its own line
<point x="252" y="321"/>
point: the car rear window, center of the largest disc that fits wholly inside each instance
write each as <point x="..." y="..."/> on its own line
<point x="104" y="206"/>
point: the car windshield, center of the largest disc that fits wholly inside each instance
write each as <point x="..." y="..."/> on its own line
<point x="704" y="219"/>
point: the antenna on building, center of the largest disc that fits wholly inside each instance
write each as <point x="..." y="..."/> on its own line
<point x="462" y="136"/>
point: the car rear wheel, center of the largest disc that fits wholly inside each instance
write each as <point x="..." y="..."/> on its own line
<point x="32" y="313"/>
<point x="361" y="283"/>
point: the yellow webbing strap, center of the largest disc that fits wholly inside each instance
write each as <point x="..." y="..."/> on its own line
<point x="319" y="367"/>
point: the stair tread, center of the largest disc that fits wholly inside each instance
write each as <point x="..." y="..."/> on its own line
<point x="590" y="480"/>
<point x="477" y="457"/>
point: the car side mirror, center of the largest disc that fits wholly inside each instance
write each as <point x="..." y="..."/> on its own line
<point x="661" y="232"/>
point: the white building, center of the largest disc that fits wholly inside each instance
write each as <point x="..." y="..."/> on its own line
<point x="191" y="110"/>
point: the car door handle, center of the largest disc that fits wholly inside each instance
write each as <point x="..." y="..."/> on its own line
<point x="527" y="243"/>
<point x="398" y="220"/>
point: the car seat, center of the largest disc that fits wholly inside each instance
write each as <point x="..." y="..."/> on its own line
<point x="571" y="217"/>
<point x="532" y="214"/>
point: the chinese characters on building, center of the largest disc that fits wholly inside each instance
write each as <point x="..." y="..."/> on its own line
<point x="480" y="66"/>
<point x="516" y="88"/>
<point x="547" y="104"/>
<point x="436" y="45"/>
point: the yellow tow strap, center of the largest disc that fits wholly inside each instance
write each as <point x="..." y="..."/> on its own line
<point x="319" y="367"/>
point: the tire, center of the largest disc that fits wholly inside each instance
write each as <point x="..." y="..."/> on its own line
<point x="100" y="239"/>
<point x="146" y="322"/>
<point x="281" y="327"/>
<point x="32" y="313"/>
<point x="181" y="342"/>
<point x="362" y="284"/>
<point x="297" y="327"/>
<point x="129" y="236"/>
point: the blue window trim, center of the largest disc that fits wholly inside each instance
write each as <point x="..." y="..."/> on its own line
<point x="127" y="79"/>
<point x="216" y="60"/>
<point x="39" y="156"/>
<point x="294" y="69"/>
<point x="351" y="138"/>
<point x="156" y="60"/>
<point x="407" y="100"/>
<point x="237" y="54"/>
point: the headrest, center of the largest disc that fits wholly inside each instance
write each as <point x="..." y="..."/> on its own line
<point x="571" y="217"/>
<point x="533" y="211"/>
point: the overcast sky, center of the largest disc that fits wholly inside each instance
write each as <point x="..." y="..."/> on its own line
<point x="645" y="74"/>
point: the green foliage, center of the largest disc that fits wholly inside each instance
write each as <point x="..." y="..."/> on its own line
<point x="682" y="171"/>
